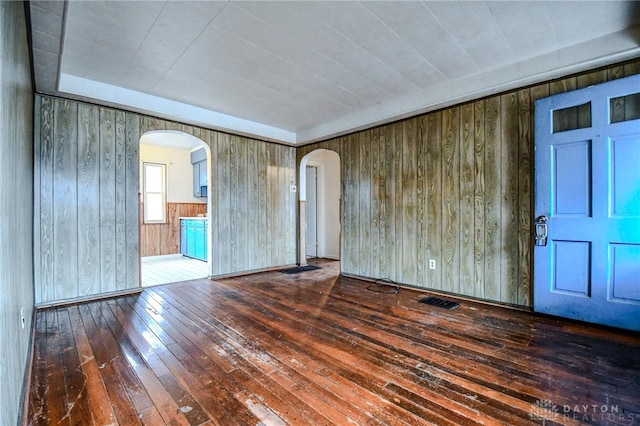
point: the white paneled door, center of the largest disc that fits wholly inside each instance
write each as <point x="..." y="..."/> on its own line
<point x="587" y="254"/>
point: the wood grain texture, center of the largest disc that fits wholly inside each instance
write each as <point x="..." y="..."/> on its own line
<point x="362" y="162"/>
<point x="455" y="186"/>
<point x="631" y="68"/>
<point x="235" y="352"/>
<point x="376" y="203"/>
<point x="89" y="225"/>
<point x="83" y="163"/>
<point x="44" y="277"/>
<point x="492" y="207"/>
<point x="65" y="199"/>
<point x="408" y="201"/>
<point x="132" y="211"/>
<point x="387" y="205"/>
<point x="345" y="165"/>
<point x="509" y="200"/>
<point x="478" y="200"/>
<point x="107" y="194"/>
<point x="89" y="264"/>
<point x="222" y="259"/>
<point x="263" y="170"/>
<point x="232" y="242"/>
<point x="422" y="236"/>
<point x="253" y="193"/>
<point x="467" y="187"/>
<point x="271" y="200"/>
<point x="416" y="195"/>
<point x="526" y="190"/>
<point x="434" y="197"/>
<point x="450" y="209"/>
<point x="18" y="234"/>
<point x="398" y="188"/>
<point x="591" y="78"/>
<point x="120" y="201"/>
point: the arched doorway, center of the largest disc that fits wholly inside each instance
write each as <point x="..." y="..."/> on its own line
<point x="174" y="206"/>
<point x="319" y="206"/>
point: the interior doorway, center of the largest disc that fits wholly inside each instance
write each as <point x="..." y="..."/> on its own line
<point x="312" y="211"/>
<point x="174" y="206"/>
<point x="319" y="206"/>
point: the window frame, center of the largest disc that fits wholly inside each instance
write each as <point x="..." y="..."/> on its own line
<point x="162" y="193"/>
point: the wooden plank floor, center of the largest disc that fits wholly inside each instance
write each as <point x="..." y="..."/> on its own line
<point x="318" y="349"/>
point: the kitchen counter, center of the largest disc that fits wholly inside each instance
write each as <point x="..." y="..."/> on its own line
<point x="194" y="237"/>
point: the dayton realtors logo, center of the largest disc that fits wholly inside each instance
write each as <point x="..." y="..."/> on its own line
<point x="545" y="410"/>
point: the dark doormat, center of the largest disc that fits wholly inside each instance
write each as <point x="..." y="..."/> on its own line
<point x="441" y="303"/>
<point x="300" y="269"/>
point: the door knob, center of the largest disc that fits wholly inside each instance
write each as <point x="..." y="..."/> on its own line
<point x="541" y="231"/>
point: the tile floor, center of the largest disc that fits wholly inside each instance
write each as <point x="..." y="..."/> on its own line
<point x="171" y="268"/>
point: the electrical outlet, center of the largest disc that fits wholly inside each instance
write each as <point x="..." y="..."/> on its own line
<point x="22" y="319"/>
<point x="293" y="188"/>
<point x="432" y="264"/>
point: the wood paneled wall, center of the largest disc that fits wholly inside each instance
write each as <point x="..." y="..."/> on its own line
<point x="16" y="208"/>
<point x="87" y="216"/>
<point x="87" y="182"/>
<point x="252" y="216"/>
<point x="164" y="238"/>
<point x="455" y="186"/>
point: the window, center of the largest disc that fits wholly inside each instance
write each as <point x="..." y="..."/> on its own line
<point x="154" y="193"/>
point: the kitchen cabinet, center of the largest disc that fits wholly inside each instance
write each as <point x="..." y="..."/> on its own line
<point x="200" y="172"/>
<point x="193" y="238"/>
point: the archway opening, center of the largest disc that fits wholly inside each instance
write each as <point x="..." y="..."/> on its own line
<point x="319" y="206"/>
<point x="174" y="204"/>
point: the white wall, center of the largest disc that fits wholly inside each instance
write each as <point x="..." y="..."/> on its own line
<point x="179" y="171"/>
<point x="16" y="207"/>
<point x="328" y="164"/>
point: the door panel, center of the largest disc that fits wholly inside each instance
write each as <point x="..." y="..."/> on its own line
<point x="312" y="211"/>
<point x="572" y="262"/>
<point x="572" y="173"/>
<point x="624" y="272"/>
<point x="588" y="186"/>
<point x="625" y="176"/>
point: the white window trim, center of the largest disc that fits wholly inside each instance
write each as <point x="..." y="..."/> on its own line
<point x="163" y="193"/>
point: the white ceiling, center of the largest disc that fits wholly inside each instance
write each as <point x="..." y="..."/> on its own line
<point x="299" y="71"/>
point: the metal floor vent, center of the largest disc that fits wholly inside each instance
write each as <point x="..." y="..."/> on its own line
<point x="300" y="269"/>
<point x="441" y="303"/>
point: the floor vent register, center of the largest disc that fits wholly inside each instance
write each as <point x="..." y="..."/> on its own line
<point x="441" y="303"/>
